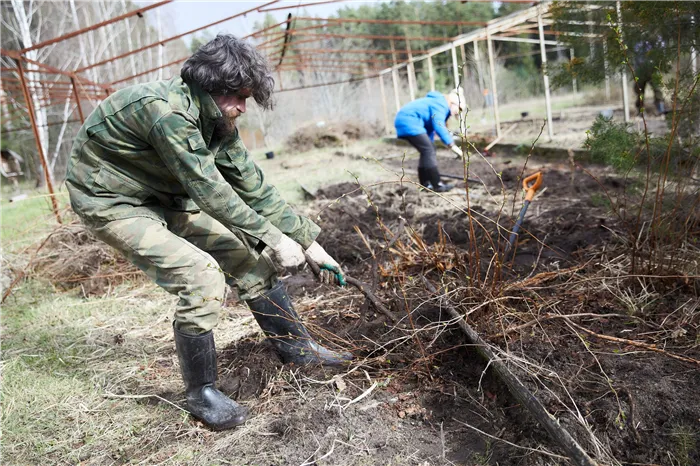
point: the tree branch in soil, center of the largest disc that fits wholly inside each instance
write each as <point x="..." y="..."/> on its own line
<point x="560" y="435"/>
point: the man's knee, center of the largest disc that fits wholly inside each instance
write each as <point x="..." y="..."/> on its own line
<point x="209" y="280"/>
<point x="201" y="299"/>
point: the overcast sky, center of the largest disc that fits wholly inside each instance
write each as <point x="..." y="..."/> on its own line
<point x="184" y="15"/>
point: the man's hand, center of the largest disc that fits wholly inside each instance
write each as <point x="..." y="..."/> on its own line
<point x="288" y="253"/>
<point x="331" y="272"/>
<point x="455" y="148"/>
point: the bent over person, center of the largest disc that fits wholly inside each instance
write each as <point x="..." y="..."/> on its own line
<point x="418" y="121"/>
<point x="159" y="172"/>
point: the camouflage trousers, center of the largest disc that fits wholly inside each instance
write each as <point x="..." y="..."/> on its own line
<point x="194" y="257"/>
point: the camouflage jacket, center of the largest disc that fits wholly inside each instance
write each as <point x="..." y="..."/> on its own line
<point x="151" y="146"/>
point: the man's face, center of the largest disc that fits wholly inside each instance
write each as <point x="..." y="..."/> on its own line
<point x="231" y="106"/>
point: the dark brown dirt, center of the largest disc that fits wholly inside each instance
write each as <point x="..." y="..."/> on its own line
<point x="641" y="405"/>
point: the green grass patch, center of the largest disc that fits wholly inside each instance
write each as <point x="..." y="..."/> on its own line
<point x="27" y="220"/>
<point x="62" y="361"/>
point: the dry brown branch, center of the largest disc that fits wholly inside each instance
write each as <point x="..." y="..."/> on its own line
<point x="566" y="316"/>
<point x="638" y="344"/>
<point x="519" y="391"/>
<point x="543" y="277"/>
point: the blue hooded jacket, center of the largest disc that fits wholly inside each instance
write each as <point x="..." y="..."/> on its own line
<point x="427" y="115"/>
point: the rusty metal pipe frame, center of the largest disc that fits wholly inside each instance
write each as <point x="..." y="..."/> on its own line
<point x="170" y="39"/>
<point x="324" y="68"/>
<point x="77" y="101"/>
<point x="331" y="35"/>
<point x="40" y="150"/>
<point x="355" y="51"/>
<point x="180" y="60"/>
<point x="319" y="59"/>
<point x="93" y="27"/>
<point x="54" y="100"/>
<point x="279" y="34"/>
<point x="344" y="81"/>
<point x="291" y="7"/>
<point x="394" y="21"/>
<point x="48" y="69"/>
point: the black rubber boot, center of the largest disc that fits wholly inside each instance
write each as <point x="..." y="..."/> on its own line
<point x="197" y="355"/>
<point x="274" y="313"/>
<point x="433" y="175"/>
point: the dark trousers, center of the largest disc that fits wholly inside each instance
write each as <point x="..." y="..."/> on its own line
<point x="428" y="173"/>
<point x="644" y="78"/>
<point x="425" y="147"/>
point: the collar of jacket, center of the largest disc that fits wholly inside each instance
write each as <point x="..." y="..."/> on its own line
<point x="208" y="112"/>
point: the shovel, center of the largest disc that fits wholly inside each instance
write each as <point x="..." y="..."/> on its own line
<point x="455" y="177"/>
<point x="530" y="184"/>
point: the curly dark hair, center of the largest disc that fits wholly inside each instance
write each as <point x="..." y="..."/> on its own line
<point x="226" y="64"/>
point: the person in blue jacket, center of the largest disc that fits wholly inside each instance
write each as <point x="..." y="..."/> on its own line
<point x="418" y="121"/>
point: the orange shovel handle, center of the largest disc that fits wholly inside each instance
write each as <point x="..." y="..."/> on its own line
<point x="531" y="184"/>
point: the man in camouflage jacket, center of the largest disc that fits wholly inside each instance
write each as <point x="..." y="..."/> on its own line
<point x="159" y="172"/>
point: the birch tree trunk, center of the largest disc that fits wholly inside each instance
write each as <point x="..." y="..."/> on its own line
<point x="129" y="42"/>
<point x="81" y="40"/>
<point x="161" y="48"/>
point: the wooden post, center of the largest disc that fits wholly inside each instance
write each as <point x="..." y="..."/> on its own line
<point x="606" y="68"/>
<point x="412" y="84"/>
<point x="395" y="76"/>
<point x="543" y="52"/>
<point x="625" y="90"/>
<point x="477" y="60"/>
<point x="384" y="107"/>
<point x="395" y="82"/>
<point x="455" y="66"/>
<point x="494" y="89"/>
<point x="35" y="129"/>
<point x="431" y="73"/>
<point x="574" y="82"/>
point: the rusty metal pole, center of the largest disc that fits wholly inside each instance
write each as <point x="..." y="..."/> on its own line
<point x="35" y="129"/>
<point x="77" y="100"/>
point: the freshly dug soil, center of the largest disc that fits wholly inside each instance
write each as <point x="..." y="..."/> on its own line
<point x="317" y="136"/>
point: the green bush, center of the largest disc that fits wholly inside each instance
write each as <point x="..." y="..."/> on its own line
<point x="612" y="143"/>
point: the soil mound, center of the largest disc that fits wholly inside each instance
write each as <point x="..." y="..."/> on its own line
<point x="319" y="135"/>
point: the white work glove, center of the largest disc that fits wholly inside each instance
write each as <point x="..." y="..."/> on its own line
<point x="288" y="253"/>
<point x="455" y="148"/>
<point x="331" y="272"/>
